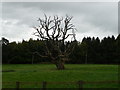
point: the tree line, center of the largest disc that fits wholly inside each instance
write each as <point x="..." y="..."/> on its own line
<point x="88" y="51"/>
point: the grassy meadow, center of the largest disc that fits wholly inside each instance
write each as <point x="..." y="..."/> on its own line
<point x="48" y="72"/>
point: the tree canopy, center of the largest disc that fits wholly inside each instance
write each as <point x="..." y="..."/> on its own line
<point x="88" y="51"/>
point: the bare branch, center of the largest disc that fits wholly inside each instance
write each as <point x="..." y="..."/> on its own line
<point x="39" y="54"/>
<point x="68" y="35"/>
<point x="55" y="32"/>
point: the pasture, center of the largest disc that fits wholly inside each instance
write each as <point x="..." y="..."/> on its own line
<point x="49" y="73"/>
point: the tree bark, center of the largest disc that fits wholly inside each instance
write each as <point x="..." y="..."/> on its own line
<point x="60" y="66"/>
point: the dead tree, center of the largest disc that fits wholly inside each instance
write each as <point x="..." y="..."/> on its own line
<point x="54" y="32"/>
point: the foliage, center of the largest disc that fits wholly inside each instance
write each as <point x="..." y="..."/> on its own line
<point x="90" y="50"/>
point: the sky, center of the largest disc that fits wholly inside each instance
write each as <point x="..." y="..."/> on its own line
<point x="98" y="19"/>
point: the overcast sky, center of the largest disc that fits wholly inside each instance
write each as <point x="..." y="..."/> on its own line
<point x="98" y="19"/>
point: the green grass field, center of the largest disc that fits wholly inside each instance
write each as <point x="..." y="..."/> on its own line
<point x="48" y="72"/>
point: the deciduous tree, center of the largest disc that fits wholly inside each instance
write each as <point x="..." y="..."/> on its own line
<point x="55" y="31"/>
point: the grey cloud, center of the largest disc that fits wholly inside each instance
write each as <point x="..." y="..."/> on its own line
<point x="86" y="15"/>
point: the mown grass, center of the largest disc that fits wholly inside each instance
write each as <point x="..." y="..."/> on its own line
<point x="48" y="72"/>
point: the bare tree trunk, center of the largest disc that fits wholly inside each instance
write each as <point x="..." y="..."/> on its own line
<point x="86" y="58"/>
<point x="32" y="58"/>
<point x="60" y="65"/>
